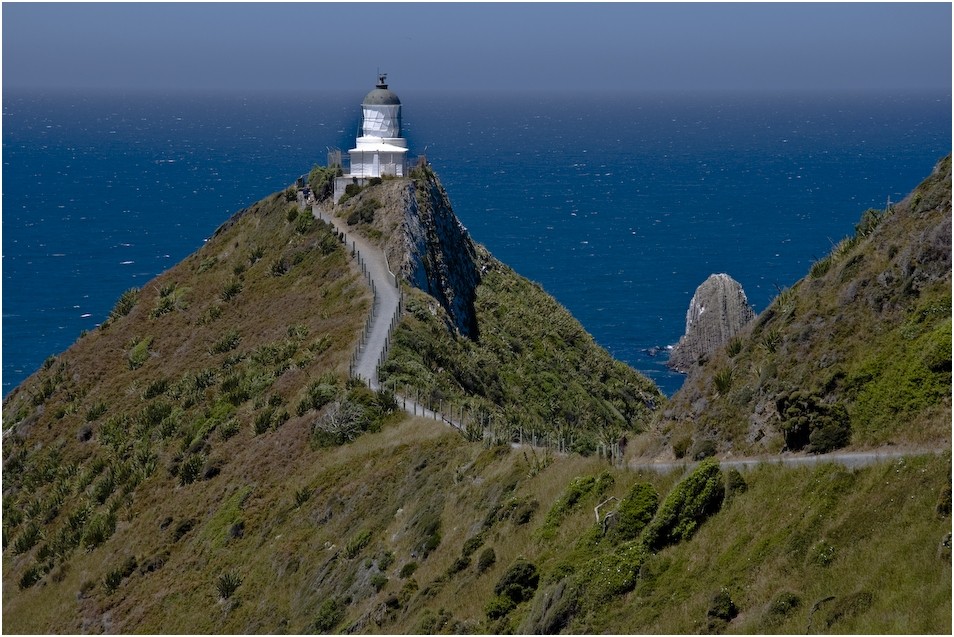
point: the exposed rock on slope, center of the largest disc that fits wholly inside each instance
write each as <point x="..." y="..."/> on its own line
<point x="440" y="257"/>
<point x="412" y="221"/>
<point x="857" y="352"/>
<point x="717" y="312"/>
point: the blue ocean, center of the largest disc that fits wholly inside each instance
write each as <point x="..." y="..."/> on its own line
<point x="618" y="205"/>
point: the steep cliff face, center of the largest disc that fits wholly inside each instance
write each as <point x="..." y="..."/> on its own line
<point x="718" y="311"/>
<point x="412" y="222"/>
<point x="439" y="256"/>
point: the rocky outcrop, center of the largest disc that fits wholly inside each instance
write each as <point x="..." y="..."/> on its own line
<point x="718" y="310"/>
<point x="440" y="258"/>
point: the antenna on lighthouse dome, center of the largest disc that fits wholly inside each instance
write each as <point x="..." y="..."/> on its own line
<point x="382" y="80"/>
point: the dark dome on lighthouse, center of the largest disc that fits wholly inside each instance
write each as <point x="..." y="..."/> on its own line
<point x="381" y="94"/>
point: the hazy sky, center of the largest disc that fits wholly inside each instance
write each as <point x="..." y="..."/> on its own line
<point x="506" y="46"/>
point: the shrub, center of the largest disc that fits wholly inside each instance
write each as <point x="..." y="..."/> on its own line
<point x="356" y="543"/>
<point x="519" y="582"/>
<point x="227" y="584"/>
<point x="305" y="221"/>
<point x="364" y="213"/>
<point x="379" y="581"/>
<point x="681" y="445"/>
<point x="809" y="424"/>
<point x="486" y="559"/>
<point x="191" y="469"/>
<point x="301" y="496"/>
<point x="229" y="341"/>
<point x="322" y="180"/>
<point x="329" y="614"/>
<point x="407" y="570"/>
<point x="611" y="574"/>
<point x="635" y="511"/>
<point x="139" y="352"/>
<point x="723" y="380"/>
<point x="279" y="267"/>
<point x="781" y="606"/>
<point x="734" y="483"/>
<point x="155" y="388"/>
<point x="702" y="449"/>
<point x="343" y="422"/>
<point x="578" y="488"/>
<point x="499" y="606"/>
<point x="459" y="565"/>
<point x="734" y="347"/>
<point x="319" y="394"/>
<point x="870" y="219"/>
<point x="721" y="611"/>
<point x="229" y="428"/>
<point x="27" y="539"/>
<point x="95" y="411"/>
<point x="99" y="529"/>
<point x="820" y="268"/>
<point x="694" y="499"/>
<point x="171" y="298"/>
<point x="31" y="576"/>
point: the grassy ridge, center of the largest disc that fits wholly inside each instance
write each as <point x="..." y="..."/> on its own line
<point x="539" y="378"/>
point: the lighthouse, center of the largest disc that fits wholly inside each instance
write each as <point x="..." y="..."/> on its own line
<point x="379" y="151"/>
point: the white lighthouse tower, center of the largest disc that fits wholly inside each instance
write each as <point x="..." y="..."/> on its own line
<point x="380" y="150"/>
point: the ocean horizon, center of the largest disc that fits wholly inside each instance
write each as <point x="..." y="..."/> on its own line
<point x="618" y="205"/>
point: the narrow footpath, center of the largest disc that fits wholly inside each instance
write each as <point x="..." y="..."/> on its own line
<point x="849" y="459"/>
<point x="385" y="313"/>
<point x="386" y="303"/>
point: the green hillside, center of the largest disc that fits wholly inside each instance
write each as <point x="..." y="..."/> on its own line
<point x="857" y="353"/>
<point x="201" y="463"/>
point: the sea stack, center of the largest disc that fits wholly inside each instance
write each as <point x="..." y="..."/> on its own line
<point x="718" y="310"/>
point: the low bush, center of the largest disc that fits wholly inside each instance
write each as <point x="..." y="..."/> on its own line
<point x="681" y="445"/>
<point x="486" y="559"/>
<point x="98" y="530"/>
<point x="229" y="341"/>
<point x="499" y="606"/>
<point x="27" y="538"/>
<point x="329" y="614"/>
<point x="702" y="449"/>
<point x="611" y="574"/>
<point x="721" y="611"/>
<point x="808" y="423"/>
<point x="519" y="582"/>
<point x="734" y="483"/>
<point x="579" y="488"/>
<point x="408" y="570"/>
<point x="635" y="511"/>
<point x="357" y="543"/>
<point x="232" y="289"/>
<point x="694" y="499"/>
<point x="378" y="581"/>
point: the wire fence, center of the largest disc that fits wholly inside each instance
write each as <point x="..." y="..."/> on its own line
<point x="475" y="423"/>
